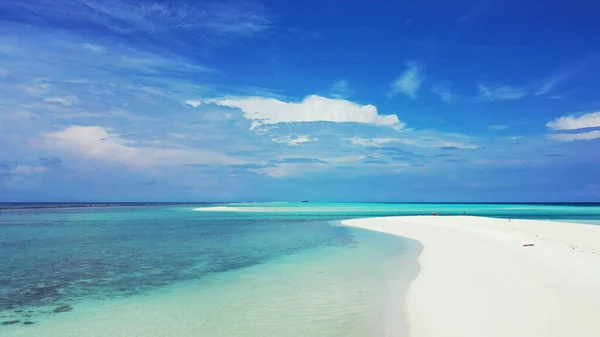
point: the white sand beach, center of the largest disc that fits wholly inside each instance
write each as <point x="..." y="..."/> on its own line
<point x="477" y="279"/>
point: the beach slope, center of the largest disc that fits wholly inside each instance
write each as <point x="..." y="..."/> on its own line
<point x="483" y="277"/>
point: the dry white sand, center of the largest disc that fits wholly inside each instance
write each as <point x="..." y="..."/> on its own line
<point x="477" y="279"/>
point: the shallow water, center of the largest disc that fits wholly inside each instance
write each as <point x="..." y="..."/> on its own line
<point x="89" y="258"/>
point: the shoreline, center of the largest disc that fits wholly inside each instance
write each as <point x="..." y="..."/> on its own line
<point x="477" y="278"/>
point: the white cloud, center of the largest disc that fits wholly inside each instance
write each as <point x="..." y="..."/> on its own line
<point x="444" y="92"/>
<point x="371" y="142"/>
<point x="263" y="111"/>
<point x="340" y="89"/>
<point x="64" y="100"/>
<point x="409" y="82"/>
<point x="589" y="120"/>
<point x="294" y="139"/>
<point x="497" y="127"/>
<point x="193" y="103"/>
<point x="102" y="143"/>
<point x="417" y="141"/>
<point x="94" y="47"/>
<point x="569" y="137"/>
<point x="500" y="93"/>
<point x="27" y="170"/>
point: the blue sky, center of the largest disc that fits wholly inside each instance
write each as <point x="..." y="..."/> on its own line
<point x="277" y="100"/>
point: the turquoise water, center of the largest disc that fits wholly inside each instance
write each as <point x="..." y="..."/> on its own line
<point x="263" y="269"/>
<point x="588" y="212"/>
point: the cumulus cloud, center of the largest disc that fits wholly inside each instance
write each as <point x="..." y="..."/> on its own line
<point x="263" y="111"/>
<point x="103" y="143"/>
<point x="569" y="137"/>
<point x="588" y="120"/>
<point x="501" y="93"/>
<point x="409" y="82"/>
<point x="64" y="100"/>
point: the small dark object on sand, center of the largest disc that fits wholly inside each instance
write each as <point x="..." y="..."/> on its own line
<point x="11" y="322"/>
<point x="62" y="308"/>
<point x="434" y="213"/>
<point x="528" y="245"/>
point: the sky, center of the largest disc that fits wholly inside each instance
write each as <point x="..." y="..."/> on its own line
<point x="356" y="100"/>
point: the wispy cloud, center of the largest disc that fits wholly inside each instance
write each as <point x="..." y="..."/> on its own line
<point x="569" y="137"/>
<point x="444" y="91"/>
<point x="370" y="142"/>
<point x="293" y="139"/>
<point x="497" y="127"/>
<point x="560" y="76"/>
<point x="127" y="17"/>
<point x="46" y="161"/>
<point x="340" y="89"/>
<point x="27" y="170"/>
<point x="64" y="100"/>
<point x="417" y="140"/>
<point x="101" y="143"/>
<point x="94" y="47"/>
<point x="20" y="115"/>
<point x="410" y="81"/>
<point x="500" y="93"/>
<point x="476" y="9"/>
<point x="548" y="85"/>
<point x="263" y="111"/>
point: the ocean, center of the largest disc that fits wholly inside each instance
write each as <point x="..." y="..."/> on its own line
<point x="243" y="269"/>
